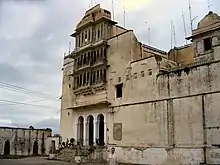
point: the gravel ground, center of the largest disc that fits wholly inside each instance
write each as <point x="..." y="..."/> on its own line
<point x="32" y="161"/>
<point x="41" y="161"/>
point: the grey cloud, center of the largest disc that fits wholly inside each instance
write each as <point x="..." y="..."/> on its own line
<point x="10" y="74"/>
<point x="34" y="36"/>
<point x="52" y="123"/>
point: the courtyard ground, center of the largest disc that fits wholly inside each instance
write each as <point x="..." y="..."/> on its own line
<point x="32" y="161"/>
<point x="40" y="161"/>
<point x="37" y="161"/>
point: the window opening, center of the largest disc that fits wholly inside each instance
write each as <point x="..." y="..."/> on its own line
<point x="119" y="90"/>
<point x="87" y="78"/>
<point x="94" y="56"/>
<point x="84" y="59"/>
<point x="94" y="76"/>
<point x="127" y="77"/>
<point x="135" y="75"/>
<point x="84" y="78"/>
<point x="142" y="73"/>
<point x="104" y="52"/>
<point x="80" y="80"/>
<point x="207" y="44"/>
<point x="150" y="72"/>
<point x="119" y="79"/>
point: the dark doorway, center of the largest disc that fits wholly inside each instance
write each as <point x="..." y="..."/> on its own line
<point x="53" y="146"/>
<point x="101" y="128"/>
<point x="35" y="148"/>
<point x="7" y="147"/>
<point x="91" y="129"/>
<point x="81" y="128"/>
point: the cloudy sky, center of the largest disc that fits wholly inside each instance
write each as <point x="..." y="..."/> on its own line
<point x="34" y="35"/>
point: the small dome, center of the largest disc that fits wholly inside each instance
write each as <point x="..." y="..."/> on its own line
<point x="210" y="19"/>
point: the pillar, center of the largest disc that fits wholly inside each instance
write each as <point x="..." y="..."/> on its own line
<point x="84" y="131"/>
<point x="94" y="129"/>
<point x="97" y="129"/>
<point x="75" y="124"/>
<point x="87" y="133"/>
<point x="105" y="131"/>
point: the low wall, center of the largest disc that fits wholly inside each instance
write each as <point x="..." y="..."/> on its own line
<point x="160" y="156"/>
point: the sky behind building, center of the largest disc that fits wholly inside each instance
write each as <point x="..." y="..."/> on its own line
<point x="34" y="35"/>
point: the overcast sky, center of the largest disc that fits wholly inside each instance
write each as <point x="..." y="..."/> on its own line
<point x="34" y="35"/>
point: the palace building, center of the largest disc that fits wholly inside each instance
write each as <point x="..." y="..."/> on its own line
<point x="152" y="106"/>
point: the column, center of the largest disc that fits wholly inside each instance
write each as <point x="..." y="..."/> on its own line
<point x="87" y="132"/>
<point x="77" y="41"/>
<point x="84" y="130"/>
<point x="94" y="129"/>
<point x="76" y="129"/>
<point x="105" y="131"/>
<point x="97" y="129"/>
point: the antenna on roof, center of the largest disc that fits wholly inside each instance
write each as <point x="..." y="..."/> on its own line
<point x="91" y="3"/>
<point x="184" y="24"/>
<point x="209" y="5"/>
<point x="124" y="16"/>
<point x="148" y="33"/>
<point x="171" y="34"/>
<point x="113" y="10"/>
<point x="190" y="15"/>
<point x="174" y="35"/>
<point x="69" y="46"/>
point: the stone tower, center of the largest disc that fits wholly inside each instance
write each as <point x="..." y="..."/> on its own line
<point x="206" y="38"/>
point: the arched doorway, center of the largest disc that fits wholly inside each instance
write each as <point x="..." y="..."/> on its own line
<point x="7" y="147"/>
<point x="90" y="120"/>
<point x="101" y="129"/>
<point x="80" y="129"/>
<point x="35" y="148"/>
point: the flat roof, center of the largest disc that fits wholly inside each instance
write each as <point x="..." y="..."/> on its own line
<point x="45" y="129"/>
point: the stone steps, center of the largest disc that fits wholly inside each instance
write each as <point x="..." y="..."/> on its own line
<point x="86" y="154"/>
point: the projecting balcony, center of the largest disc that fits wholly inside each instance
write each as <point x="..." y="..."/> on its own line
<point x="88" y="45"/>
<point x="89" y="66"/>
<point x="90" y="95"/>
<point x="90" y="88"/>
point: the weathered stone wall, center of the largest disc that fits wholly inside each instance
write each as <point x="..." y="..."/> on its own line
<point x="21" y="141"/>
<point x="69" y="155"/>
<point x="179" y="116"/>
<point x="66" y="115"/>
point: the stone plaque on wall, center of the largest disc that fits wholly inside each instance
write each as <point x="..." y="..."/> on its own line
<point x="117" y="131"/>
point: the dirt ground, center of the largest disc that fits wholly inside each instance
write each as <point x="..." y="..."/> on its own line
<point x="40" y="161"/>
<point x="32" y="161"/>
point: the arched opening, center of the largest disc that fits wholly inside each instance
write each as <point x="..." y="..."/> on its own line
<point x="91" y="129"/>
<point x="35" y="148"/>
<point x="80" y="129"/>
<point x="101" y="129"/>
<point x="7" y="147"/>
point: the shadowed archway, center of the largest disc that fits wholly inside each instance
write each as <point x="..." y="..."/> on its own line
<point x="35" y="148"/>
<point x="80" y="128"/>
<point x="101" y="129"/>
<point x="7" y="147"/>
<point x="90" y="120"/>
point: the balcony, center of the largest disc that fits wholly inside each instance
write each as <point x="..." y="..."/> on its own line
<point x="90" y="88"/>
<point x="89" y="45"/>
<point x="89" y="67"/>
<point x="90" y="95"/>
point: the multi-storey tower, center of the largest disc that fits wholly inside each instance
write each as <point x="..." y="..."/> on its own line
<point x="87" y="80"/>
